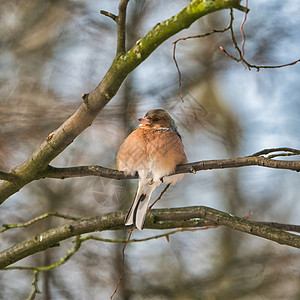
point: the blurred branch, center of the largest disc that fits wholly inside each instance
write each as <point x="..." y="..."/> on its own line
<point x="34" y="167"/>
<point x="157" y="219"/>
<point x="283" y="149"/>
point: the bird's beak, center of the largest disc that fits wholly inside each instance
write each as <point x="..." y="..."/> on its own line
<point x="144" y="121"/>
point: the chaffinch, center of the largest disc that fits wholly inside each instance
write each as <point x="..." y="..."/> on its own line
<point x="153" y="149"/>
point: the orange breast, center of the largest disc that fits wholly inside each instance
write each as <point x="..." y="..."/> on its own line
<point x="151" y="149"/>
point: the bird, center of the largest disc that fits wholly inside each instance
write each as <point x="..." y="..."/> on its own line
<point x="153" y="150"/>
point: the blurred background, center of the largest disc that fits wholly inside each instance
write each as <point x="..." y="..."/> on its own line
<point x="53" y="51"/>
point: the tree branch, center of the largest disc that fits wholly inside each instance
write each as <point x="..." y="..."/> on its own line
<point x="253" y="160"/>
<point x="94" y="102"/>
<point x="108" y="14"/>
<point x="121" y="25"/>
<point x="121" y="21"/>
<point x="8" y="176"/>
<point x="82" y="171"/>
<point x="42" y="217"/>
<point x="157" y="219"/>
<point x="241" y="52"/>
<point x="272" y="150"/>
<point x="194" y="37"/>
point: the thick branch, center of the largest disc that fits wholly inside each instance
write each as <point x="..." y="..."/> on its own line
<point x="58" y="140"/>
<point x="157" y="219"/>
<point x="8" y="176"/>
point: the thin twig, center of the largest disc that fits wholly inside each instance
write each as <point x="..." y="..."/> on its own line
<point x="123" y="263"/>
<point x="179" y="73"/>
<point x="241" y="53"/>
<point x="39" y="218"/>
<point x="60" y="262"/>
<point x="235" y="42"/>
<point x="242" y="30"/>
<point x="35" y="290"/>
<point x="280" y="155"/>
<point x="92" y="237"/>
<point x="159" y="197"/>
<point x="271" y="150"/>
<point x="257" y="67"/>
<point x="193" y="37"/>
<point x="108" y="14"/>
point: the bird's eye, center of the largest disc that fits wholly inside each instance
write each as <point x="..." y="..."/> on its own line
<point x="156" y="119"/>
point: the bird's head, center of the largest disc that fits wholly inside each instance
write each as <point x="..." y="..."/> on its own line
<point x="157" y="119"/>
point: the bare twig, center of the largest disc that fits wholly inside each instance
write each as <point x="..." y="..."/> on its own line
<point x="42" y="217"/>
<point x="241" y="8"/>
<point x="241" y="53"/>
<point x="206" y="225"/>
<point x="179" y="73"/>
<point x="234" y="40"/>
<point x="121" y="21"/>
<point x="257" y="67"/>
<point x="35" y="290"/>
<point x="121" y="24"/>
<point x="272" y="150"/>
<point x="92" y="237"/>
<point x="123" y="263"/>
<point x="60" y="262"/>
<point x="108" y="14"/>
<point x="242" y="30"/>
<point x="36" y="270"/>
<point x="159" y="197"/>
<point x="193" y="37"/>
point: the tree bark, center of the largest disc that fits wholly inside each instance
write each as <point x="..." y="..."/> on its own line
<point x="188" y="217"/>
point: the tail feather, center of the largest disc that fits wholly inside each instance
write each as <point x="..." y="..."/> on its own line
<point x="138" y="210"/>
